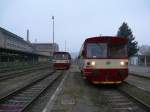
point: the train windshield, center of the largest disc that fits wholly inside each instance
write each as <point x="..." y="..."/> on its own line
<point x="117" y="51"/>
<point x="96" y="50"/>
<point x="61" y="56"/>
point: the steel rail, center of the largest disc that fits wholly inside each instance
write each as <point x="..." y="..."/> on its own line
<point x="23" y="97"/>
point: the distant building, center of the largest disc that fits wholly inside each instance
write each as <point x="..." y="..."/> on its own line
<point x="45" y="48"/>
<point x="140" y="60"/>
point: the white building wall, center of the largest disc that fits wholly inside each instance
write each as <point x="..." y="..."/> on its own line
<point x="134" y="60"/>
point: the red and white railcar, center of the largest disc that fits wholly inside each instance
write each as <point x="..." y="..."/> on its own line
<point x="61" y="60"/>
<point x="104" y="60"/>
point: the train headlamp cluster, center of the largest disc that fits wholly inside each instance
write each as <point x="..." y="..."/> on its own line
<point x="92" y="63"/>
<point x="123" y="63"/>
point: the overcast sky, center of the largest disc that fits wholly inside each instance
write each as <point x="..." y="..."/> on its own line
<point x="75" y="20"/>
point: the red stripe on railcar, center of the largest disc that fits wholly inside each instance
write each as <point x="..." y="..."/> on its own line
<point x="101" y="75"/>
<point x="61" y="65"/>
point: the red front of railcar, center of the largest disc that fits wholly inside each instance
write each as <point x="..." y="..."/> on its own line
<point x="104" y="60"/>
<point x="61" y="60"/>
<point x="105" y="76"/>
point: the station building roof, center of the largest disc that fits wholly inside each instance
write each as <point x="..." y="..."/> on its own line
<point x="12" y="35"/>
<point x="20" y="45"/>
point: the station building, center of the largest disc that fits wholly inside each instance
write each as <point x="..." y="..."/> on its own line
<point x="14" y="49"/>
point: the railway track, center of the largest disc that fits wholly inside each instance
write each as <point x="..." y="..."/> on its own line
<point x="13" y="74"/>
<point x="20" y="99"/>
<point x="121" y="101"/>
<point x="139" y="95"/>
<point x="21" y="67"/>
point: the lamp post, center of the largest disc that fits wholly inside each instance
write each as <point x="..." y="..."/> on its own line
<point x="53" y="33"/>
<point x="65" y="45"/>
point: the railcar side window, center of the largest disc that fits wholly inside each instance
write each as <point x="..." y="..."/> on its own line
<point x="96" y="50"/>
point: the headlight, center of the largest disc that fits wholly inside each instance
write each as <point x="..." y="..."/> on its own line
<point x="93" y="63"/>
<point x="122" y="63"/>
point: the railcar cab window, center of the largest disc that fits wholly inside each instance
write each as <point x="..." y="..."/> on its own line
<point x="96" y="50"/>
<point x="61" y="56"/>
<point x="116" y="51"/>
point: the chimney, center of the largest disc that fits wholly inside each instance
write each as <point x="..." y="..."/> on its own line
<point x="28" y="35"/>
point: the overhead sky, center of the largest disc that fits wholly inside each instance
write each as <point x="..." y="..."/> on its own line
<point x="75" y="20"/>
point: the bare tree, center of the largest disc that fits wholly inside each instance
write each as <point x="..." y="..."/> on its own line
<point x="144" y="50"/>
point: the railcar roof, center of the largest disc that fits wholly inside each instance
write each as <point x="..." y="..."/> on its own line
<point x="111" y="39"/>
<point x="60" y="52"/>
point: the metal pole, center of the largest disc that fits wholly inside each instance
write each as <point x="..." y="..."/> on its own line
<point x="53" y="33"/>
<point x="65" y="45"/>
<point x="27" y="35"/>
